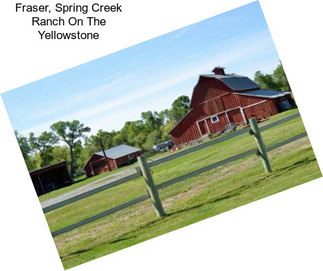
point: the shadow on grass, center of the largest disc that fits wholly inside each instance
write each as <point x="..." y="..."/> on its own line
<point x="124" y="237"/>
<point x="238" y="191"/>
<point x="230" y="194"/>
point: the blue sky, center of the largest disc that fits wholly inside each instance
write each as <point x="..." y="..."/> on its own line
<point x="106" y="92"/>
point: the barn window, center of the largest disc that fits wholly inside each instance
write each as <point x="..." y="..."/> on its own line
<point x="214" y="119"/>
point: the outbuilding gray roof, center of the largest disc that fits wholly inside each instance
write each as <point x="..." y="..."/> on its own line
<point x="265" y="93"/>
<point x="234" y="81"/>
<point x="118" y="151"/>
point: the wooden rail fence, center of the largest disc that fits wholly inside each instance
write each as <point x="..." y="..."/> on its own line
<point x="161" y="161"/>
<point x="153" y="189"/>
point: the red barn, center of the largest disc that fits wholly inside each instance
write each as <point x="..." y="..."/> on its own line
<point x="220" y="101"/>
<point x="113" y="158"/>
<point x="50" y="177"/>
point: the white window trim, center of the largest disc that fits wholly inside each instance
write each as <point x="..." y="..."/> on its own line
<point x="217" y="117"/>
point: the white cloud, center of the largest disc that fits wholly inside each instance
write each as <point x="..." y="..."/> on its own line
<point x="180" y="33"/>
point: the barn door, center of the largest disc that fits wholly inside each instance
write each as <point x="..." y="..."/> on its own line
<point x="203" y="128"/>
<point x="235" y="116"/>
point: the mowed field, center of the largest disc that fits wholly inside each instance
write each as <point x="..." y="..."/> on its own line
<point x="189" y="201"/>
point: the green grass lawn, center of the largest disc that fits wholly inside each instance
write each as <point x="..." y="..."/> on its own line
<point x="206" y="195"/>
<point x="202" y="196"/>
<point x="107" y="175"/>
<point x="99" y="202"/>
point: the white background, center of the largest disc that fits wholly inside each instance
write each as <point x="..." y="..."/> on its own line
<point x="281" y="232"/>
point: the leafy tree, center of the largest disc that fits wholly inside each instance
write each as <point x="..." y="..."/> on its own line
<point x="23" y="144"/>
<point x="61" y="153"/>
<point x="105" y="137"/>
<point x="118" y="139"/>
<point x="165" y="116"/>
<point x="265" y="81"/>
<point x="166" y="129"/>
<point x="131" y="129"/>
<point x="44" y="145"/>
<point x="140" y="139"/>
<point x="277" y="80"/>
<point x="70" y="132"/>
<point x="101" y="136"/>
<point x="78" y="164"/>
<point x="179" y="107"/>
<point x="280" y="76"/>
<point x="25" y="150"/>
<point x="151" y="121"/>
<point x="152" y="139"/>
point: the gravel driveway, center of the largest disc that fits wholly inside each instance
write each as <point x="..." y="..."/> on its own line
<point x="87" y="187"/>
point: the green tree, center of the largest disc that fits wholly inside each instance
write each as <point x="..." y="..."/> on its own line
<point x="61" y="153"/>
<point x="140" y="139"/>
<point x="165" y="116"/>
<point x="26" y="151"/>
<point x="179" y="107"/>
<point x="151" y="120"/>
<point x="43" y="144"/>
<point x="118" y="139"/>
<point x="101" y="136"/>
<point x="130" y="130"/>
<point x="70" y="132"/>
<point x="166" y="129"/>
<point x="277" y="80"/>
<point x="78" y="164"/>
<point x="281" y="78"/>
<point x="152" y="139"/>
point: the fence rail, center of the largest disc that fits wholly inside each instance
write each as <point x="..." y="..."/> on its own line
<point x="174" y="181"/>
<point x="161" y="161"/>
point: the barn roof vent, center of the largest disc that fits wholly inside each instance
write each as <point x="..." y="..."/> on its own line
<point x="219" y="70"/>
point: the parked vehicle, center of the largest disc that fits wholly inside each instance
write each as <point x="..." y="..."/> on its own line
<point x="164" y="146"/>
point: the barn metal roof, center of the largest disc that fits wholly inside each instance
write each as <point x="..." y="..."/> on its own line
<point x="266" y="93"/>
<point x="118" y="151"/>
<point x="234" y="81"/>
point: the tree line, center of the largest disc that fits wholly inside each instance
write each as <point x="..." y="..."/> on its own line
<point x="276" y="80"/>
<point x="77" y="147"/>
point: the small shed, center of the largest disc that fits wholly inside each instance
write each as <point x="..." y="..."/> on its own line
<point x="50" y="177"/>
<point x="114" y="158"/>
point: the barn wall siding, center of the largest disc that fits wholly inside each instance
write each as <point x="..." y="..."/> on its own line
<point x="235" y="116"/>
<point x="217" y="126"/>
<point x="260" y="111"/>
<point x="127" y="159"/>
<point x="187" y="130"/>
<point x="97" y="165"/>
<point x="214" y="89"/>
